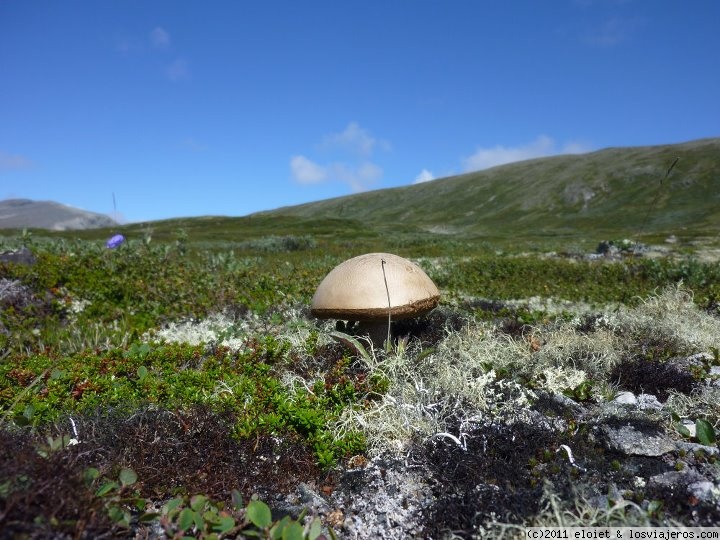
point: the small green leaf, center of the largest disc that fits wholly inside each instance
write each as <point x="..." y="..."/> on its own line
<point x="259" y="514"/>
<point x="106" y="488"/>
<point x="199" y="521"/>
<point x="350" y="341"/>
<point x="583" y="391"/>
<point x="705" y="432"/>
<point x="5" y="489"/>
<point x="116" y="514"/>
<point x="294" y="531"/>
<point x="148" y="517"/>
<point x="211" y="516"/>
<point x="427" y="352"/>
<point x="276" y="531"/>
<point x="171" y="505"/>
<point x="90" y="475"/>
<point x="29" y="411"/>
<point x="55" y="444"/>
<point x="682" y="429"/>
<point x="127" y="477"/>
<point x="56" y="374"/>
<point x="186" y="519"/>
<point x="142" y="372"/>
<point x="226" y="523"/>
<point x="237" y="499"/>
<point x="198" y="502"/>
<point x="315" y="529"/>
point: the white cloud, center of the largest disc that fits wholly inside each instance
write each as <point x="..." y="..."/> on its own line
<point x="13" y="162"/>
<point x="160" y="38"/>
<point x="352" y="149"/>
<point x="543" y="146"/>
<point x="354" y="139"/>
<point x="307" y="172"/>
<point x="156" y="42"/>
<point x="178" y="70"/>
<point x="424" y="176"/>
<point x="359" y="177"/>
<point x="127" y="45"/>
<point x="574" y="148"/>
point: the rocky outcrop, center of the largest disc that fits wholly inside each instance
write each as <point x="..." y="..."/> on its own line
<point x="26" y="213"/>
<point x="603" y="453"/>
<point x="18" y="256"/>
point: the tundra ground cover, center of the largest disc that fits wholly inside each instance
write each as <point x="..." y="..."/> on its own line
<point x="202" y="372"/>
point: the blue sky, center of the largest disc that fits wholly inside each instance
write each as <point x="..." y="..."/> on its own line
<point x="188" y="108"/>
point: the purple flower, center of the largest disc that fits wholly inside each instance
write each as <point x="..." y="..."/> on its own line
<point x="115" y="241"/>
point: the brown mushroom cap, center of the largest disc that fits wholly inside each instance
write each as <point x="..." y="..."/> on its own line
<point x="355" y="290"/>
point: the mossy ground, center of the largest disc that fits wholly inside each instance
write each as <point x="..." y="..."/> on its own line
<point x="199" y="367"/>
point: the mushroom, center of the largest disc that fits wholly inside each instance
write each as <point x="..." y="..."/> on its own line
<point x="373" y="289"/>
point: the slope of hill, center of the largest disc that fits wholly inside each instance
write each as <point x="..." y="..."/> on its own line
<point x="20" y="213"/>
<point x="613" y="191"/>
<point x="608" y="194"/>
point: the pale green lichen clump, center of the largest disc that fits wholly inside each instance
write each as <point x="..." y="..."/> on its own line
<point x="456" y="383"/>
<point x="473" y="374"/>
<point x="672" y="317"/>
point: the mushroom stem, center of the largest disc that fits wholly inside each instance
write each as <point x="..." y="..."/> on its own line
<point x="378" y="332"/>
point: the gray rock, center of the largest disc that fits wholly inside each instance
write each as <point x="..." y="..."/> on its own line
<point x="674" y="479"/>
<point x="699" y="360"/>
<point x="625" y="398"/>
<point x="695" y="447"/>
<point x="383" y="500"/>
<point x="303" y="499"/>
<point x="572" y="405"/>
<point x="14" y="293"/>
<point x="607" y="248"/>
<point x="631" y="441"/>
<point x="18" y="256"/>
<point x="689" y="482"/>
<point x="642" y="402"/>
<point x="699" y="357"/>
<point x="611" y="248"/>
<point x="311" y="498"/>
<point x="703" y="490"/>
<point x="602" y="499"/>
<point x="648" y="401"/>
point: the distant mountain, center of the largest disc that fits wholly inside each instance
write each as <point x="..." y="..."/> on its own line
<point x="618" y="191"/>
<point x="22" y="213"/>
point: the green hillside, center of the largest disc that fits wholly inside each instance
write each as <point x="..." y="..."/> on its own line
<point x="561" y="202"/>
<point x="611" y="192"/>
